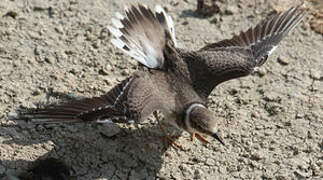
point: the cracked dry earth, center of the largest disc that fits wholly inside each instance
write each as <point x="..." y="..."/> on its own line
<point x="51" y="50"/>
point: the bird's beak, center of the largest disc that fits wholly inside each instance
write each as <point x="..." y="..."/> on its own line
<point x="217" y="137"/>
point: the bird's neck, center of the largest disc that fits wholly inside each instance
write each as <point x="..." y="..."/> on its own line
<point x="187" y="120"/>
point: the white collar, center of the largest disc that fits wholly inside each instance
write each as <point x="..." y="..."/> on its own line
<point x="187" y="115"/>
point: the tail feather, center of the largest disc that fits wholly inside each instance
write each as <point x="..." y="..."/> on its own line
<point x="264" y="38"/>
<point x="143" y="34"/>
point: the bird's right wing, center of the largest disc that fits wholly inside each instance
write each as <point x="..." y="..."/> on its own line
<point x="85" y="110"/>
<point x="143" y="34"/>
<point x="132" y="99"/>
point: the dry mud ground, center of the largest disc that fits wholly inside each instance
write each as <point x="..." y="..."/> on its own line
<point x="53" y="49"/>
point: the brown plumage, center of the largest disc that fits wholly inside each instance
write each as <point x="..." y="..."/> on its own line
<point x="178" y="81"/>
<point x="243" y="54"/>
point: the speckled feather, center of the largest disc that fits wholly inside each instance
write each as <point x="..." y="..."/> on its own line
<point x="135" y="98"/>
<point x="237" y="57"/>
<point x="178" y="81"/>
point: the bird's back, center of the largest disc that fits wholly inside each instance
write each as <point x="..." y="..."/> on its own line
<point x="174" y="91"/>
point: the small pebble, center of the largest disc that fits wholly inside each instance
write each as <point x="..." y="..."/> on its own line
<point x="231" y="10"/>
<point x="37" y="51"/>
<point x="261" y="71"/>
<point x="12" y="14"/>
<point x="198" y="174"/>
<point x="59" y="29"/>
<point x="50" y="60"/>
<point x="316" y="75"/>
<point x="125" y="72"/>
<point x="185" y="23"/>
<point x="103" y="72"/>
<point x="272" y="96"/>
<point x="283" y="60"/>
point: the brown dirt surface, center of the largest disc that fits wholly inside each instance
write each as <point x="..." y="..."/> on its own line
<point x="316" y="9"/>
<point x="50" y="50"/>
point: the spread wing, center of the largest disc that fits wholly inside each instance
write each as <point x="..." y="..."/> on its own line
<point x="109" y="106"/>
<point x="143" y="34"/>
<point x="264" y="38"/>
<point x="134" y="98"/>
<point x="244" y="53"/>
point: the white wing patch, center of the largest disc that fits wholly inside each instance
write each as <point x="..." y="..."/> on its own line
<point x="133" y="39"/>
<point x="117" y="23"/>
<point x="133" y="52"/>
<point x="272" y="50"/>
<point x="104" y="121"/>
<point x="115" y="32"/>
<point x="169" y="22"/>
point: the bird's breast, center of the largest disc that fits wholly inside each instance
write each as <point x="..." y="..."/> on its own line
<point x="171" y="118"/>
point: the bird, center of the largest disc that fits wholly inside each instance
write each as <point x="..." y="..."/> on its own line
<point x="174" y="80"/>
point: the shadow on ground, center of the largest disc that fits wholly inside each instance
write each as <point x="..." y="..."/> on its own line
<point x="107" y="150"/>
<point x="84" y="148"/>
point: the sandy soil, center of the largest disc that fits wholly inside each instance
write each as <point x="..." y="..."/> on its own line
<point x="50" y="50"/>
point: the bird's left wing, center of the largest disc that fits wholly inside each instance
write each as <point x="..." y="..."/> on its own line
<point x="263" y="39"/>
<point x="244" y="53"/>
